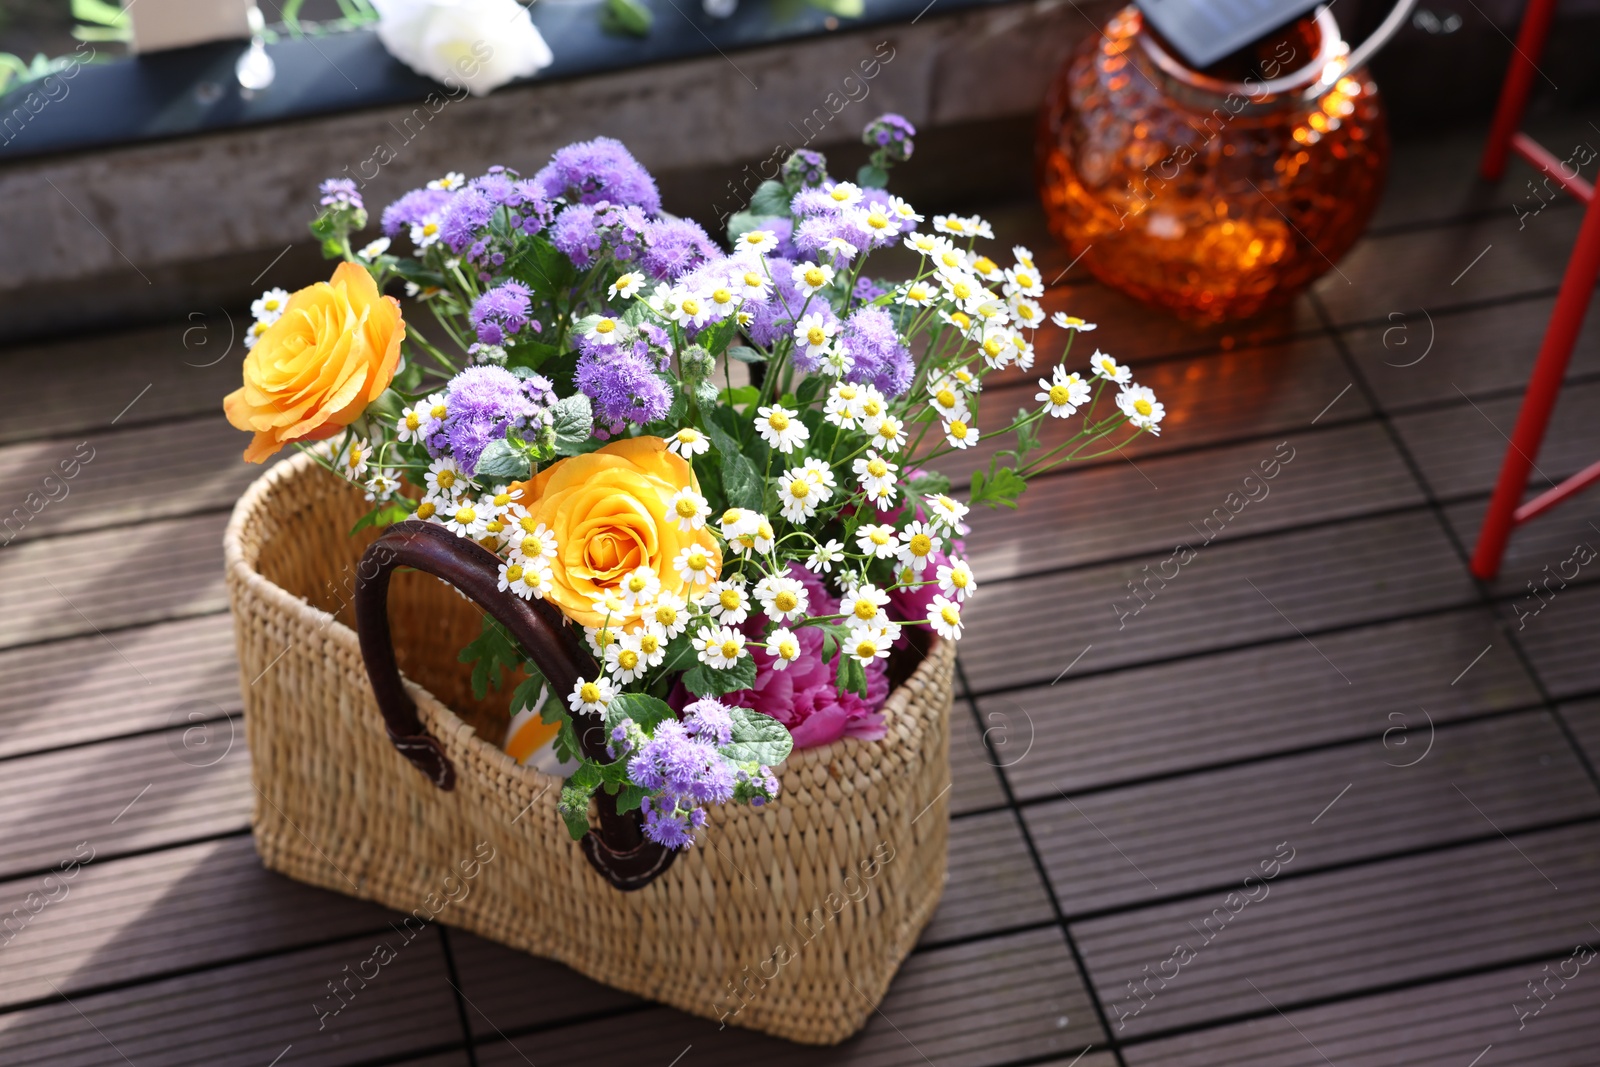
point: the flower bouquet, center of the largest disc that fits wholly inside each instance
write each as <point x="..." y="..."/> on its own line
<point x="695" y="491"/>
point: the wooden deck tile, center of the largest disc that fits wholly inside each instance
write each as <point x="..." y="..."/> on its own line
<point x="1339" y="932"/>
<point x="974" y="781"/>
<point x="1125" y="725"/>
<point x="1308" y="580"/>
<point x="1584" y="718"/>
<point x="1560" y="641"/>
<point x="1551" y="540"/>
<point x="993" y="883"/>
<point x="79" y="689"/>
<point x="508" y="991"/>
<point x="1199" y="831"/>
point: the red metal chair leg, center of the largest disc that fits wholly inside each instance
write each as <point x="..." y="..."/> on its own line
<point x="1577" y="286"/>
<point x="1518" y="83"/>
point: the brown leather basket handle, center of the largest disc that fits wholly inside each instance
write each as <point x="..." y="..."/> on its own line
<point x="620" y="852"/>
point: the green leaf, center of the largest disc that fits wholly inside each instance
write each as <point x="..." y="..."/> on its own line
<point x="503" y="461"/>
<point x="770" y="199"/>
<point x="680" y="656"/>
<point x="1027" y="434"/>
<point x="810" y="389"/>
<point x="757" y="738"/>
<point x="927" y="483"/>
<point x="999" y="489"/>
<point x="644" y="710"/>
<point x="628" y="800"/>
<point x="742" y="222"/>
<point x="716" y="339"/>
<point x="385" y="514"/>
<point x="526" y="694"/>
<point x="741" y="397"/>
<point x="626" y="16"/>
<point x="869" y="177"/>
<point x="746" y="354"/>
<point x="852" y="676"/>
<point x="491" y="654"/>
<point x="528" y="354"/>
<point x="845" y="9"/>
<point x="705" y="681"/>
<point x="541" y="265"/>
<point x="573" y="421"/>
<point x="740" y="482"/>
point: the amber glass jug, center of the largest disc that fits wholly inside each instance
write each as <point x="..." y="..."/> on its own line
<point x="1216" y="193"/>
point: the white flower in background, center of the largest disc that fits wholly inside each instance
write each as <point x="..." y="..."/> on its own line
<point x="903" y="211"/>
<point x="867" y="643"/>
<point x="1142" y="408"/>
<point x="947" y="511"/>
<point x="601" y="638"/>
<point x="944" y="615"/>
<point x="719" y="647"/>
<point x="450" y="182"/>
<point x="374" y="249"/>
<point x="783" y="647"/>
<point x="960" y="433"/>
<point x="956" y="580"/>
<point x="1023" y="257"/>
<point x="688" y="442"/>
<point x="530" y="540"/>
<point x="590" y="697"/>
<point x="824" y="556"/>
<point x="762" y="241"/>
<point x="481" y="44"/>
<point x="628" y="285"/>
<point x="650" y="645"/>
<point x="781" y="428"/>
<point x="253" y="334"/>
<point x="966" y="379"/>
<point x="815" y="333"/>
<point x="352" y="460"/>
<point x="925" y="244"/>
<point x="1105" y="367"/>
<point x="383" y="485"/>
<point x="890" y="434"/>
<point x="877" y="540"/>
<point x="783" y="598"/>
<point x="625" y="661"/>
<point x="1027" y="312"/>
<point x="916" y="294"/>
<point x="536" y="582"/>
<point x="986" y="268"/>
<point x="840" y="408"/>
<point x="639" y="587"/>
<point x="1022" y="280"/>
<point x="874" y="471"/>
<point x="689" y="508"/>
<point x="606" y="331"/>
<point x="752" y="280"/>
<point x="1062" y="393"/>
<point x="798" y="495"/>
<point x="268" y="307"/>
<point x="948" y="399"/>
<point x="997" y="347"/>
<point x="843" y="194"/>
<point x="444" y="478"/>
<point x="738" y="522"/>
<point x="811" y="277"/>
<point x="840" y="248"/>
<point x="727" y="601"/>
<point x="695" y="566"/>
<point x="1024" y="349"/>
<point x="821" y="476"/>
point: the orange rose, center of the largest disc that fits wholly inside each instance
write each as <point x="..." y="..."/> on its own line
<point x="609" y="511"/>
<point x="315" y="370"/>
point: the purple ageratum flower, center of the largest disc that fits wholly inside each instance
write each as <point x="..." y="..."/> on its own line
<point x="804" y="169"/>
<point x="413" y="208"/>
<point x="818" y="230"/>
<point x="892" y="134"/>
<point x="869" y="337"/>
<point x="867" y="290"/>
<point x="813" y="201"/>
<point x="501" y="312"/>
<point x="602" y="169"/>
<point x="485" y="403"/>
<point x="709" y="721"/>
<point x="465" y="214"/>
<point x="621" y="386"/>
<point x="775" y="318"/>
<point x="583" y="231"/>
<point x="675" y="246"/>
<point x="340" y="193"/>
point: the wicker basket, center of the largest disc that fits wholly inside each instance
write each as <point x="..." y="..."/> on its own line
<point x="790" y="919"/>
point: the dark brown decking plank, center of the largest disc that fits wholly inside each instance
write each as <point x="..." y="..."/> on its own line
<point x="246" y="1014"/>
<point x="974" y="779"/>
<point x="1341" y="932"/>
<point x="148" y="791"/>
<point x="1336" y="575"/>
<point x="1584" y="718"/>
<point x="1560" y="641"/>
<point x="1342" y="473"/>
<point x="995" y="1001"/>
<point x="1484" y="350"/>
<point x="78" y="689"/>
<point x="507" y="990"/>
<point x="1550" y="541"/>
<point x="1434" y="268"/>
<point x="1450" y="1023"/>
<point x="132" y="475"/>
<point x="993" y="883"/>
<point x="1224" y="396"/>
<point x="1187" y="834"/>
<point x="123" y="920"/>
<point x="1460" y="447"/>
<point x="1094" y="731"/>
<point x="108" y="579"/>
<point x="83" y="383"/>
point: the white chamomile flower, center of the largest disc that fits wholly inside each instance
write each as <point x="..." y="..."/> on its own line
<point x="601" y="638"/>
<point x="812" y="277"/>
<point x="947" y="398"/>
<point x="639" y="587"/>
<point x="752" y="282"/>
<point x="783" y="598"/>
<point x="605" y="330"/>
<point x="695" y="566"/>
<point x="353" y="459"/>
<point x="947" y="511"/>
<point x="918" y="541"/>
<point x="781" y="428"/>
<point x="663" y="300"/>
<point x="689" y="509"/>
<point x="738" y="522"/>
<point x="1027" y="312"/>
<point x="627" y="286"/>
<point x="962" y="286"/>
<point x="843" y="194"/>
<point x="427" y="510"/>
<point x="591" y="697"/>
<point x="1071" y="322"/>
<point x="762" y="241"/>
<point x="986" y="268"/>
<point x="863" y="604"/>
<point x="269" y="306"/>
<point x="963" y="323"/>
<point x="944" y="615"/>
<point x="954" y="225"/>
<point x="466" y="518"/>
<point x="997" y="348"/>
<point x="877" y="540"/>
<point x="815" y="333"/>
<point x="956" y="580"/>
<point x="691" y="309"/>
<point x="450" y="182"/>
<point x="870" y="408"/>
<point x="990" y="311"/>
<point x="1023" y="280"/>
<point x="824" y="556"/>
<point x="925" y="244"/>
<point x="688" y="442"/>
<point x="723" y="300"/>
<point x="1023" y="257"/>
<point x="650" y="643"/>
<point x="435" y="409"/>
<point x="1105" y="367"/>
<point x="411" y="426"/>
<point x="916" y="294"/>
<point x="253" y="334"/>
<point x="821" y="476"/>
<point x="1062" y="393"/>
<point x="837" y="361"/>
<point x="966" y="379"/>
<point x="382" y="485"/>
<point x="668" y="615"/>
<point x="530" y="539"/>
<point x="425" y="234"/>
<point x="874" y="471"/>
<point x="882" y="497"/>
<point x="373" y="249"/>
<point x="798" y="495"/>
<point x="727" y="601"/>
<point x="625" y="661"/>
<point x="524" y="578"/>
<point x="840" y="248"/>
<point x="960" y="433"/>
<point x="867" y="643"/>
<point x="1024" y="347"/>
<point x="840" y="407"/>
<point x="1142" y="408"/>
<point x="889" y="434"/>
<point x="719" y="646"/>
<point x="903" y="211"/>
<point x="760" y="542"/>
<point x="783" y="647"/>
<point x="444" y="477"/>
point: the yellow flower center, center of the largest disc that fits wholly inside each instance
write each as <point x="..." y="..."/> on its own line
<point x="1142" y="406"/>
<point x="697" y="561"/>
<point x="691" y="305"/>
<point x="637" y="583"/>
<point x="1025" y="312"/>
<point x="438" y="411"/>
<point x="413" y="420"/>
<point x="872" y="409"/>
<point x="1073" y="320"/>
<point x="1024" y="279"/>
<point x="847" y="392"/>
<point x="798" y="489"/>
<point x="730" y="599"/>
<point x="752" y="279"/>
<point x="785" y="601"/>
<point x="1060" y="394"/>
<point x="730" y="649"/>
<point x="917" y="292"/>
<point x="920" y="545"/>
<point x="666" y="614"/>
<point x="502" y="499"/>
<point x="814" y="277"/>
<point x="446" y="478"/>
<point x="839" y="194"/>
<point x="877" y="468"/>
<point x="867" y="649"/>
<point x="946" y="398"/>
<point x="959" y="579"/>
<point x="788" y="649"/>
<point x="514" y="573"/>
<point x="466" y="515"/>
<point x="494" y="526"/>
<point x="958" y="430"/>
<point x="961" y="320"/>
<point x="877" y="221"/>
<point x="964" y="377"/>
<point x="627" y="659"/>
<point x="950" y="615"/>
<point x="355" y="458"/>
<point x="688" y="436"/>
<point x="817" y="335"/>
<point x="778" y="421"/>
<point x="955" y="224"/>
<point x="993" y="346"/>
<point x="984" y="265"/>
<point x="866" y="610"/>
<point x="528" y="523"/>
<point x="589" y="693"/>
<point x="649" y="643"/>
<point x="722" y="296"/>
<point x="271" y="304"/>
<point x="889" y="430"/>
<point x="605" y="326"/>
<point x="429" y="229"/>
<point x="686" y="508"/>
<point x="961" y="290"/>
<point x="879" y="537"/>
<point x="426" y="510"/>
